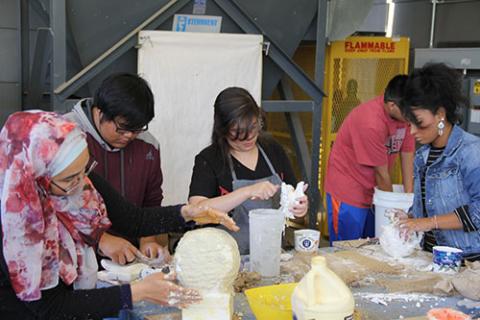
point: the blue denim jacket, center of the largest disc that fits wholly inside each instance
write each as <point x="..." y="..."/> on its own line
<point x="451" y="181"/>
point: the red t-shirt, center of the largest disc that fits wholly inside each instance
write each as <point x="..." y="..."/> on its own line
<point x="368" y="138"/>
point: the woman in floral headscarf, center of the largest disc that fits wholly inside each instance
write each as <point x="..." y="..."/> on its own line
<point x="51" y="217"/>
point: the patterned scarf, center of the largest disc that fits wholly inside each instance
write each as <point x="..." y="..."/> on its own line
<point x="45" y="237"/>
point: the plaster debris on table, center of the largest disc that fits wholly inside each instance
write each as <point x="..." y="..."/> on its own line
<point x="386" y="298"/>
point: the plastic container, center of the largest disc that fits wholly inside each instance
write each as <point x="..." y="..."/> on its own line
<point x="271" y="302"/>
<point x="384" y="200"/>
<point x="447" y="259"/>
<point x="322" y="295"/>
<point x="306" y="240"/>
<point x="266" y="227"/>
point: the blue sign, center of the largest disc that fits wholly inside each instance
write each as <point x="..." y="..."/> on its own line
<point x="195" y="23"/>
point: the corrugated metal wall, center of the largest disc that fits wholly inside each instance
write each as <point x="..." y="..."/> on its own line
<point x="456" y="21"/>
<point x="10" y="88"/>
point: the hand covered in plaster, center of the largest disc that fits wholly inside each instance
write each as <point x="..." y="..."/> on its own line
<point x="262" y="190"/>
<point x="409" y="225"/>
<point x="203" y="215"/>
<point x="154" y="250"/>
<point x="300" y="208"/>
<point x="395" y="215"/>
<point x="117" y="249"/>
<point x="159" y="288"/>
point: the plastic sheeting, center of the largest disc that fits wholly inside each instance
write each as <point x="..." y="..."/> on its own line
<point x="186" y="71"/>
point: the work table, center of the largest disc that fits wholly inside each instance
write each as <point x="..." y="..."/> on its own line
<point x="372" y="301"/>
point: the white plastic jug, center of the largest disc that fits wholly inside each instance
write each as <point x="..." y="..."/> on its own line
<point x="266" y="226"/>
<point x="322" y="295"/>
<point x="384" y="200"/>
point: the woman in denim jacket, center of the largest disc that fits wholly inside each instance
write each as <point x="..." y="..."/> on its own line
<point x="446" y="204"/>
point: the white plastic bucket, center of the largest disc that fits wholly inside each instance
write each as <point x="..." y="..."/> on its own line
<point x="384" y="200"/>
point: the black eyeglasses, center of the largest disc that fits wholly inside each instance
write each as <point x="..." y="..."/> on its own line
<point x="122" y="130"/>
<point x="75" y="183"/>
<point x="252" y="129"/>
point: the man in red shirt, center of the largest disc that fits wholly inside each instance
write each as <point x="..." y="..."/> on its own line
<point x="128" y="156"/>
<point x="369" y="140"/>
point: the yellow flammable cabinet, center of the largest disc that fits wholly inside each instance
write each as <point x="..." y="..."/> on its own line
<point x="357" y="69"/>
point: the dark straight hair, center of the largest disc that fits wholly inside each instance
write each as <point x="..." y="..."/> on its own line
<point x="234" y="107"/>
<point x="127" y="96"/>
<point x="395" y="89"/>
<point x="431" y="87"/>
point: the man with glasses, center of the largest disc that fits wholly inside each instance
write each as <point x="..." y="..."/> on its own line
<point x="116" y="122"/>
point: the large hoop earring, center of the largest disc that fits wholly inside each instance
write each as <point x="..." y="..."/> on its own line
<point x="441" y="126"/>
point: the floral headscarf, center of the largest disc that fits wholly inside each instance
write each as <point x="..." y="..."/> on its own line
<point x="45" y="237"/>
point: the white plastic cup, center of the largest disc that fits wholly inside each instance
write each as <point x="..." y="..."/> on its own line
<point x="306" y="240"/>
<point x="384" y="200"/>
<point x="266" y="226"/>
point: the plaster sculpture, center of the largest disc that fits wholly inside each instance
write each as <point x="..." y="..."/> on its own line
<point x="208" y="260"/>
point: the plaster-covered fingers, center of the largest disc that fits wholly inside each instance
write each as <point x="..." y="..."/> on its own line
<point x="407" y="226"/>
<point x="396" y="215"/>
<point x="405" y="234"/>
<point x="301" y="207"/>
<point x="190" y="295"/>
<point x="182" y="297"/>
<point x="155" y="288"/>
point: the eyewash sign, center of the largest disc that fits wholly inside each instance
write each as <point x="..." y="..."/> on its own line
<point x="194" y="23"/>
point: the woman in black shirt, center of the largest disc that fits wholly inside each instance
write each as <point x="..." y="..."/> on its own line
<point x="243" y="168"/>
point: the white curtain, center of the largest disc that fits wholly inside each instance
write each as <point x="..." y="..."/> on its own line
<point x="186" y="71"/>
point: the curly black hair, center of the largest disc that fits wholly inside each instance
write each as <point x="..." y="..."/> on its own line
<point x="433" y="86"/>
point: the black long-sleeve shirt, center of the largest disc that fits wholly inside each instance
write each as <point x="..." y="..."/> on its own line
<point x="62" y="302"/>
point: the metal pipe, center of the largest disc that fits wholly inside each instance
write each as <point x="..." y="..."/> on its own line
<point x="432" y="27"/>
<point x="456" y="1"/>
<point x="58" y="65"/>
<point x="24" y="44"/>
<point x="321" y="40"/>
<point x="277" y="55"/>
